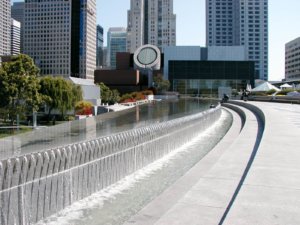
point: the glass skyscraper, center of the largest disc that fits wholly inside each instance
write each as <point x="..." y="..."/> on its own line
<point x="240" y="22"/>
<point x="17" y="13"/>
<point x="99" y="47"/>
<point x="116" y="42"/>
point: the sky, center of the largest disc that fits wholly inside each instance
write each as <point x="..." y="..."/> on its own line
<point x="284" y="25"/>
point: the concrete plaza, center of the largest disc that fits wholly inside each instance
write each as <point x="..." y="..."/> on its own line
<point x="251" y="177"/>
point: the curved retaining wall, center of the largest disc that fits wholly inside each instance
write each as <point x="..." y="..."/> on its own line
<point x="35" y="186"/>
<point x="257" y="111"/>
<point x="239" y="111"/>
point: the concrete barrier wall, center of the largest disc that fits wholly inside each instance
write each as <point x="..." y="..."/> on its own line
<point x="35" y="186"/>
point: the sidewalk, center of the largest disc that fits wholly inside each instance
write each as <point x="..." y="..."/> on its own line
<point x="270" y="193"/>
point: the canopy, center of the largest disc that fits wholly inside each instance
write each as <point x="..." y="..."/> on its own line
<point x="286" y="86"/>
<point x="293" y="94"/>
<point x="265" y="87"/>
<point x="248" y="87"/>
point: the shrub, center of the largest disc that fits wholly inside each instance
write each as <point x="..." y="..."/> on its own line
<point x="125" y="97"/>
<point x="285" y="91"/>
<point x="270" y="92"/>
<point x="140" y="96"/>
<point x="83" y="108"/>
<point x="109" y="96"/>
<point x="147" y="92"/>
<point x="132" y="97"/>
<point x="261" y="93"/>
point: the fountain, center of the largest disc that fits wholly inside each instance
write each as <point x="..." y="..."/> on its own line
<point x="37" y="185"/>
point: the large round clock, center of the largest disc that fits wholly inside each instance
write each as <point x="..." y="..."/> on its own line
<point x="147" y="57"/>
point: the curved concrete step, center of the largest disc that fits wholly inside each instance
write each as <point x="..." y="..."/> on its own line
<point x="271" y="191"/>
<point x="207" y="191"/>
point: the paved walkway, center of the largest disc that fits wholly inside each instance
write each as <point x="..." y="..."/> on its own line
<point x="239" y="182"/>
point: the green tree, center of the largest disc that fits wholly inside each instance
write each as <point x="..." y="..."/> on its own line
<point x="59" y="93"/>
<point x="108" y="95"/>
<point x="19" y="86"/>
<point x="115" y="96"/>
<point x="160" y="84"/>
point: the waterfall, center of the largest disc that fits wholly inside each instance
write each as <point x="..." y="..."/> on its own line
<point x="37" y="185"/>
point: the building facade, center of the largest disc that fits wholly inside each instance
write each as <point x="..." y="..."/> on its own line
<point x="292" y="59"/>
<point x="196" y="53"/>
<point x="5" y="22"/>
<point x="151" y="22"/>
<point x="240" y="22"/>
<point x="116" y="42"/>
<point x="15" y="37"/>
<point x="105" y="58"/>
<point x="99" y="47"/>
<point x="202" y="71"/>
<point x="61" y="36"/>
<point x="206" y="78"/>
<point x="17" y="13"/>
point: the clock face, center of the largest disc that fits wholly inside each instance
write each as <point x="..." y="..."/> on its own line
<point x="147" y="56"/>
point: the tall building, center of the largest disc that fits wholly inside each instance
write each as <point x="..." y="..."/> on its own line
<point x="240" y="22"/>
<point x="5" y="15"/>
<point x="292" y="59"/>
<point x="61" y="36"/>
<point x="99" y="47"/>
<point x="151" y="22"/>
<point x="116" y="42"/>
<point x="15" y="37"/>
<point x="17" y="13"/>
<point x="105" y="58"/>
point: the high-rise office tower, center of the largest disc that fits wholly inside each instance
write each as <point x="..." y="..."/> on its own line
<point x="292" y="59"/>
<point x="151" y="22"/>
<point x="61" y="36"/>
<point x="5" y="16"/>
<point x="17" y="13"/>
<point x="116" y="42"/>
<point x="15" y="37"/>
<point x="240" y="22"/>
<point x="99" y="47"/>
